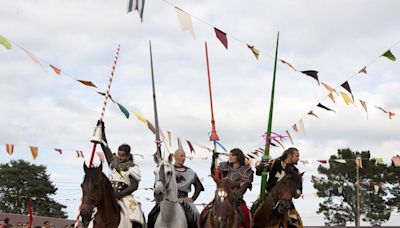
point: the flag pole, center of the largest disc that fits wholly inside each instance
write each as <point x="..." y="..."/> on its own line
<point x="158" y="141"/>
<point x="265" y="157"/>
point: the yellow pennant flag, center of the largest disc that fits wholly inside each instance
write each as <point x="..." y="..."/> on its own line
<point x="329" y="88"/>
<point x="255" y="51"/>
<point x="346" y="98"/>
<point x="330" y="95"/>
<point x="141" y="118"/>
<point x="35" y="151"/>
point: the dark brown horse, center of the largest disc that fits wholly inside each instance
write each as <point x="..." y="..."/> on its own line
<point x="98" y="193"/>
<point x="279" y="201"/>
<point x="223" y="213"/>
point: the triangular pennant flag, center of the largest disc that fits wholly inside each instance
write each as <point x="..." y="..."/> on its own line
<point x="255" y="51"/>
<point x="138" y="7"/>
<point x="329" y="88"/>
<point x="331" y="97"/>
<point x="363" y="70"/>
<point x="388" y="54"/>
<point x="140" y="118"/>
<point x="396" y="161"/>
<point x="311" y="73"/>
<point x="295" y="128"/>
<point x="346" y="85"/>
<point x="301" y="127"/>
<point x="123" y="110"/>
<point x="273" y="144"/>
<point x="104" y="94"/>
<point x="322" y="161"/>
<point x="169" y="138"/>
<point x="312" y="114"/>
<point x="10" y="149"/>
<point x="87" y="83"/>
<point x="340" y="161"/>
<point x="364" y="104"/>
<point x="190" y="147"/>
<point x="324" y="107"/>
<point x="56" y="70"/>
<point x="287" y="63"/>
<point x="58" y="150"/>
<point x="5" y="42"/>
<point x="31" y="56"/>
<point x="222" y="37"/>
<point x="151" y="127"/>
<point x="289" y="136"/>
<point x="391" y="115"/>
<point x="101" y="156"/>
<point x="280" y="144"/>
<point x="383" y="110"/>
<point x="185" y="21"/>
<point x="358" y="162"/>
<point x="346" y="98"/>
<point x="179" y="143"/>
<point x="79" y="153"/>
<point x="35" y="151"/>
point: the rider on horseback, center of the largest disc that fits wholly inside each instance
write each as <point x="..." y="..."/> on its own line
<point x="236" y="169"/>
<point x="277" y="169"/>
<point x="125" y="176"/>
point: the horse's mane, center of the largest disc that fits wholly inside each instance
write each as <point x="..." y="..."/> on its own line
<point x="288" y="181"/>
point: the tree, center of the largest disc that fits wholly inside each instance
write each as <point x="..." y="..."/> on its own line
<point x="394" y="187"/>
<point x="21" y="180"/>
<point x="338" y="188"/>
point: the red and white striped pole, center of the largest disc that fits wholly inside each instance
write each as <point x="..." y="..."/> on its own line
<point x="103" y="110"/>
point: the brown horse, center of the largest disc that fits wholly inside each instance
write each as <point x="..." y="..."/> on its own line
<point x="98" y="193"/>
<point x="223" y="212"/>
<point x="279" y="201"/>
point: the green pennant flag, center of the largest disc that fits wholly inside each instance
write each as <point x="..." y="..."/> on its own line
<point x="123" y="110"/>
<point x="388" y="54"/>
<point x="5" y="42"/>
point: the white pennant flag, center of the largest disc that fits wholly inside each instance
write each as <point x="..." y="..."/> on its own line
<point x="185" y="20"/>
<point x="301" y="126"/>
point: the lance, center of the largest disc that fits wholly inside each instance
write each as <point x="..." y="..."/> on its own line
<point x="97" y="134"/>
<point x="265" y="157"/>
<point x="158" y="141"/>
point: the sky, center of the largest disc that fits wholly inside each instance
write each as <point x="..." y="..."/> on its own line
<point x="336" y="38"/>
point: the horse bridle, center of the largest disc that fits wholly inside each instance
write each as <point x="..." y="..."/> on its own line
<point x="165" y="184"/>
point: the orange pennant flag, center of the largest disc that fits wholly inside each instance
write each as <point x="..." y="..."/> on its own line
<point x="87" y="83"/>
<point x="330" y="95"/>
<point x="10" y="149"/>
<point x="359" y="162"/>
<point x="35" y="151"/>
<point x="56" y="70"/>
<point x="346" y="98"/>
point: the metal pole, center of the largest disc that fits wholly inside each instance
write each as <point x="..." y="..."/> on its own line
<point x="264" y="173"/>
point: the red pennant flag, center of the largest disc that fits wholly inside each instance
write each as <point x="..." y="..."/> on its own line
<point x="10" y="149"/>
<point x="190" y="147"/>
<point x="295" y="128"/>
<point x="56" y="70"/>
<point x="391" y="115"/>
<point x="222" y="37"/>
<point x="58" y="150"/>
<point x="322" y="161"/>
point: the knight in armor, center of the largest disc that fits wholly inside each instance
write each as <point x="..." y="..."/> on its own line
<point x="236" y="169"/>
<point x="124" y="176"/>
<point x="185" y="178"/>
<point x="277" y="169"/>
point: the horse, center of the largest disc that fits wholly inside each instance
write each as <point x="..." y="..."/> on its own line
<point x="224" y="212"/>
<point x="279" y="201"/>
<point x="98" y="193"/>
<point x="172" y="214"/>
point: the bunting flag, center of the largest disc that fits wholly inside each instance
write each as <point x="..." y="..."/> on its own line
<point x="151" y="127"/>
<point x="396" y="161"/>
<point x="140" y="118"/>
<point x="332" y="97"/>
<point x="322" y="161"/>
<point x="222" y="37"/>
<point x="329" y="88"/>
<point x="31" y="56"/>
<point x="359" y="162"/>
<point x="10" y="149"/>
<point x="204" y="147"/>
<point x="340" y="161"/>
<point x="311" y="73"/>
<point x="56" y="70"/>
<point x="123" y="110"/>
<point x="109" y="96"/>
<point x="179" y="143"/>
<point x="301" y="127"/>
<point x="79" y="153"/>
<point x="169" y="138"/>
<point x="287" y="63"/>
<point x="255" y="51"/>
<point x="295" y="128"/>
<point x="185" y="21"/>
<point x="138" y="7"/>
<point x="364" y="104"/>
<point x="280" y="144"/>
<point x="289" y="136"/>
<point x="87" y="83"/>
<point x="324" y="107"/>
<point x="376" y="188"/>
<point x="311" y="113"/>
<point x="190" y="147"/>
<point x="383" y="110"/>
<point x="5" y="42"/>
<point x="363" y="70"/>
<point x="58" y="150"/>
<point x="391" y="115"/>
<point x="35" y="151"/>
<point x="101" y="156"/>
<point x="388" y="54"/>
<point x="346" y="85"/>
<point x="346" y="98"/>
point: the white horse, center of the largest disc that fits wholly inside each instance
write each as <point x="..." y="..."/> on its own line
<point x="171" y="213"/>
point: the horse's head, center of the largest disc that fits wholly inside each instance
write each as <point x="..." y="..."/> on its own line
<point x="224" y="208"/>
<point x="164" y="178"/>
<point x="291" y="186"/>
<point x="92" y="193"/>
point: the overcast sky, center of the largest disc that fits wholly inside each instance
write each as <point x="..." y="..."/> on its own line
<point x="336" y="38"/>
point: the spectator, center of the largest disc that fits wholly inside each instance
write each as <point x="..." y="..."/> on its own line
<point x="2" y="224"/>
<point x="6" y="223"/>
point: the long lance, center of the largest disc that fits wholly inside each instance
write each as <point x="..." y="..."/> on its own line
<point x="214" y="136"/>
<point x="103" y="110"/>
<point x="265" y="157"/>
<point x="158" y="142"/>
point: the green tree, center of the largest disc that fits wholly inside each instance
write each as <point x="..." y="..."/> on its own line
<point x="21" y="180"/>
<point x="338" y="188"/>
<point x="394" y="187"/>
